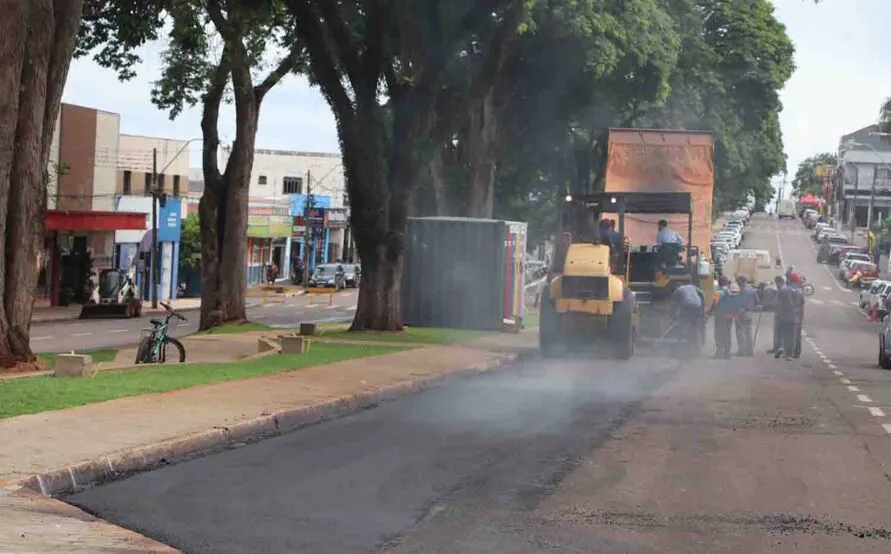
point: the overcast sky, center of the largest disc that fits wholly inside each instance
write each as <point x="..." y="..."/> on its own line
<point x="843" y="60"/>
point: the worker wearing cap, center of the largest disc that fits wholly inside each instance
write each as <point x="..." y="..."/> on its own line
<point x="727" y="309"/>
<point x="743" y="323"/>
<point x="790" y="316"/>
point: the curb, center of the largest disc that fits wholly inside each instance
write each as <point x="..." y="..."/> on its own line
<point x="145" y="313"/>
<point x="123" y="464"/>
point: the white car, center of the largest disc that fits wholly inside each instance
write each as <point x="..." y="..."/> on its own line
<point x="873" y="297"/>
<point x="733" y="239"/>
<point x="818" y="228"/>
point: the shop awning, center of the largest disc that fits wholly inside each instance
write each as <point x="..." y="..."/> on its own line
<point x="65" y="220"/>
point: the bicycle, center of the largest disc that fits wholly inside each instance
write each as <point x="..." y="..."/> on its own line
<point x="154" y="342"/>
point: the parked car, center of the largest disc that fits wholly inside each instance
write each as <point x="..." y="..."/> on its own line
<point x="352" y="275"/>
<point x="833" y="253"/>
<point x="834" y="238"/>
<point x="875" y="297"/>
<point x="860" y="274"/>
<point x="328" y="275"/>
<point x="885" y="343"/>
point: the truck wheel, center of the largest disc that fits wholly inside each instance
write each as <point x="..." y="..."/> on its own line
<point x="622" y="326"/>
<point x="548" y="325"/>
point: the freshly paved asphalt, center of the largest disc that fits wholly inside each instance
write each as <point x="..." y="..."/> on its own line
<point x="576" y="455"/>
<point x="64" y="336"/>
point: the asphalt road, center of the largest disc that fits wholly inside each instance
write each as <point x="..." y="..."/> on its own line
<point x="64" y="336"/>
<point x="576" y="455"/>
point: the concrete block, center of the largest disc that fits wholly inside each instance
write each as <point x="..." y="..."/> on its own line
<point x="265" y="344"/>
<point x="74" y="365"/>
<point x="309" y="329"/>
<point x="294" y="345"/>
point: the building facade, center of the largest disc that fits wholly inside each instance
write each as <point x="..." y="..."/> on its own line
<point x="286" y="186"/>
<point x="81" y="203"/>
<point x="863" y="180"/>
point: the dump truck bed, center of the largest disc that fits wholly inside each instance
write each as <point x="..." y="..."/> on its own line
<point x="654" y="160"/>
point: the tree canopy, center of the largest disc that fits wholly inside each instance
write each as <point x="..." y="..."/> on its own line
<point x="806" y="180"/>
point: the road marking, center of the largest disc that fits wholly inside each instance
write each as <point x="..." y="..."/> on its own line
<point x="119" y="331"/>
<point x="833" y="366"/>
<point x="887" y="427"/>
<point x="842" y="304"/>
<point x="839" y="373"/>
<point x="878" y="412"/>
<point x="81" y="334"/>
<point x="353" y="307"/>
<point x="41" y="338"/>
<point x="852" y="388"/>
<point x="825" y="287"/>
<point x="864" y="398"/>
<point x="845" y="381"/>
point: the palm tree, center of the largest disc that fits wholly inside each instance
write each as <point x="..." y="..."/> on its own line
<point x="885" y="117"/>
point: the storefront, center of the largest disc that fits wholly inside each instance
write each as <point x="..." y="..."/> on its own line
<point x="314" y="248"/>
<point x="75" y="243"/>
<point x="268" y="243"/>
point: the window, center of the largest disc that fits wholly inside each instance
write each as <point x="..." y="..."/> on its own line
<point x="292" y="185"/>
<point x="346" y="200"/>
<point x="148" y="183"/>
<point x="127" y="184"/>
<point x="176" y="185"/>
<point x="261" y="180"/>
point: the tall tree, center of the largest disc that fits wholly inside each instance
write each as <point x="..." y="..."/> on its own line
<point x="193" y="72"/>
<point x="806" y="180"/>
<point x="36" y="44"/>
<point x="885" y="117"/>
<point x="363" y="50"/>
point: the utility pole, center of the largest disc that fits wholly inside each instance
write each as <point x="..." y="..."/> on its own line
<point x="307" y="229"/>
<point x="153" y="271"/>
<point x="872" y="197"/>
<point x="780" y="194"/>
<point x="854" y="207"/>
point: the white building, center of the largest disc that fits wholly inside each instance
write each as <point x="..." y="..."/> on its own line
<point x="280" y="183"/>
<point x="864" y="164"/>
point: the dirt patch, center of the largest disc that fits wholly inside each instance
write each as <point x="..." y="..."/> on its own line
<point x="20" y="367"/>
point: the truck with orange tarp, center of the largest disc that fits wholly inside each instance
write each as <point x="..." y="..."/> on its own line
<point x="663" y="161"/>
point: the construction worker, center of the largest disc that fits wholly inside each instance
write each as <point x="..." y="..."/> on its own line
<point x="780" y="283"/>
<point x="727" y="309"/>
<point x="790" y="316"/>
<point x="689" y="307"/>
<point x="743" y="323"/>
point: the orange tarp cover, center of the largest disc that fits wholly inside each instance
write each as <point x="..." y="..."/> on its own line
<point x="664" y="161"/>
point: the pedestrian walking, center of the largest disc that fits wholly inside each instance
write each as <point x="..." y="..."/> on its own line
<point x="743" y="323"/>
<point x="780" y="283"/>
<point x="790" y="313"/>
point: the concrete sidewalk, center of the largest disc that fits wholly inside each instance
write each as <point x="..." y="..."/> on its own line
<point x="56" y="452"/>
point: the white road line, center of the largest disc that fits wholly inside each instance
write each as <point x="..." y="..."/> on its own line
<point x="864" y="398"/>
<point x="887" y="427"/>
<point x="852" y="388"/>
<point x="833" y="366"/>
<point x="845" y="381"/>
<point x="878" y="412"/>
<point x="826" y="287"/>
<point x="840" y="303"/>
<point x="41" y="338"/>
<point x="838" y="373"/>
<point x="816" y="301"/>
<point x="353" y="307"/>
<point x="119" y="331"/>
<point x="81" y="334"/>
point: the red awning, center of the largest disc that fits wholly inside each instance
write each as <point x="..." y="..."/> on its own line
<point x="61" y="220"/>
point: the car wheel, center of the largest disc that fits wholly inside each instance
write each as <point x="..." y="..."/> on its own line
<point x="884" y="362"/>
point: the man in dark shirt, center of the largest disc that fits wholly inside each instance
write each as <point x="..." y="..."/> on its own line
<point x="790" y="316"/>
<point x="780" y="283"/>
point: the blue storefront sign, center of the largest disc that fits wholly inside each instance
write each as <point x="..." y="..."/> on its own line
<point x="170" y="221"/>
<point x="298" y="203"/>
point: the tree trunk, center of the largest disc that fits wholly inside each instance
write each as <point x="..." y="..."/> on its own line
<point x="223" y="212"/>
<point x="36" y="44"/>
<point x="379" y="219"/>
<point x="482" y="138"/>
